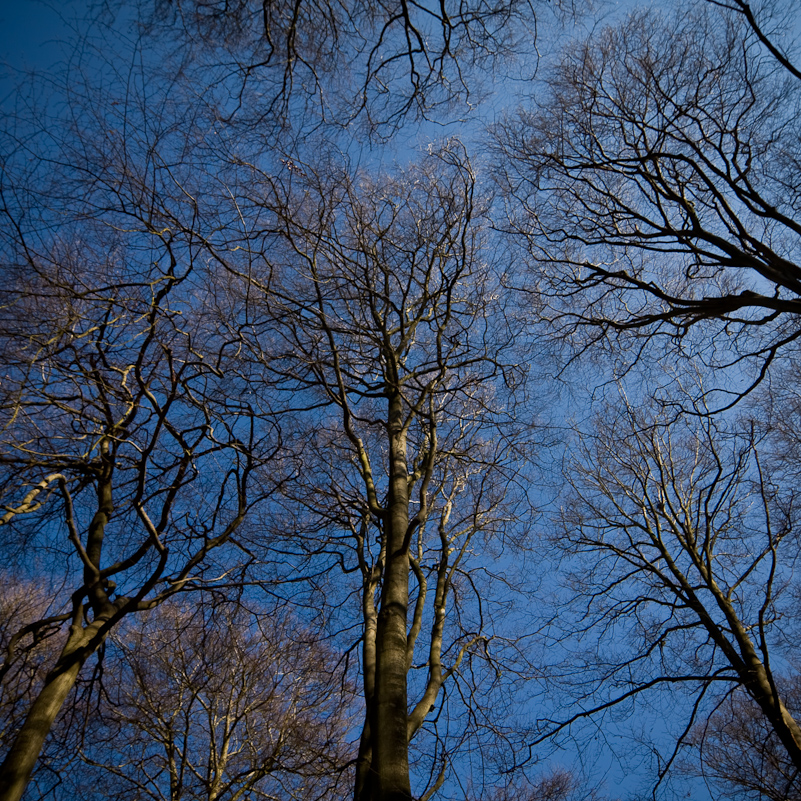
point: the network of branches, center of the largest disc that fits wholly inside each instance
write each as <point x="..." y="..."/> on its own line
<point x="400" y="401"/>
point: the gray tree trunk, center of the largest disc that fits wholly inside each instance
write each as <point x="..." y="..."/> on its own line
<point x="16" y="770"/>
<point x="390" y="737"/>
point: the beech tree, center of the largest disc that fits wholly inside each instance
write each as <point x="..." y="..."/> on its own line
<point x="386" y="63"/>
<point x="128" y="458"/>
<point x="27" y="647"/>
<point x="740" y="754"/>
<point x="214" y="701"/>
<point x="172" y="284"/>
<point x="687" y="545"/>
<point x="383" y="314"/>
<point x="656" y="186"/>
<point x="110" y="421"/>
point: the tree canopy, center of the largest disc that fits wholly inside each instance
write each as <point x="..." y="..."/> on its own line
<point x="336" y="467"/>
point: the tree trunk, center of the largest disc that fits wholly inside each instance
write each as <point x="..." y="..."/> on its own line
<point x="390" y="739"/>
<point x="784" y="724"/>
<point x="364" y="774"/>
<point x="364" y="762"/>
<point x="16" y="770"/>
<point x="752" y="671"/>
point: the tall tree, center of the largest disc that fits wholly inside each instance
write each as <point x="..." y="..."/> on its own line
<point x="657" y="187"/>
<point x="217" y="702"/>
<point x="684" y="532"/>
<point x="385" y="63"/>
<point x="128" y="457"/>
<point x="375" y="306"/>
<point x="740" y="755"/>
<point x="384" y="314"/>
<point x="111" y="418"/>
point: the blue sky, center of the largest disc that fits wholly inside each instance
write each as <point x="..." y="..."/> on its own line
<point x="31" y="37"/>
<point x="30" y="32"/>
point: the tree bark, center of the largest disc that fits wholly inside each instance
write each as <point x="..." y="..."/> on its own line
<point x="16" y="770"/>
<point x="391" y="744"/>
<point x="760" y="687"/>
<point x="364" y="766"/>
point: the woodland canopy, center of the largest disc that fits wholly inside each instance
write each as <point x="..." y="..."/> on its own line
<point x="401" y="401"/>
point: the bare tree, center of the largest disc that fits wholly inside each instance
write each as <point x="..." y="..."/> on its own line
<point x="27" y="646"/>
<point x="740" y="754"/>
<point x="387" y="62"/>
<point x="555" y="785"/>
<point x="657" y="186"/>
<point x="384" y="315"/>
<point x="656" y="189"/>
<point x="770" y="22"/>
<point x="375" y="309"/>
<point x="687" y="546"/>
<point x="128" y="455"/>
<point x="214" y="702"/>
<point x="111" y="422"/>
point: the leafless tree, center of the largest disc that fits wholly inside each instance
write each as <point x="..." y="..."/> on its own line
<point x="687" y="548"/>
<point x="657" y="189"/>
<point x="27" y="646"/>
<point x="381" y="312"/>
<point x="120" y="465"/>
<point x="169" y="285"/>
<point x="770" y="22"/>
<point x="128" y="455"/>
<point x="214" y="702"/>
<point x="387" y="62"/>
<point x="556" y="785"/>
<point x="740" y="754"/>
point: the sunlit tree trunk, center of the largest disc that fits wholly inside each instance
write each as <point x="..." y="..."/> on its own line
<point x="20" y="761"/>
<point x="391" y="745"/>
